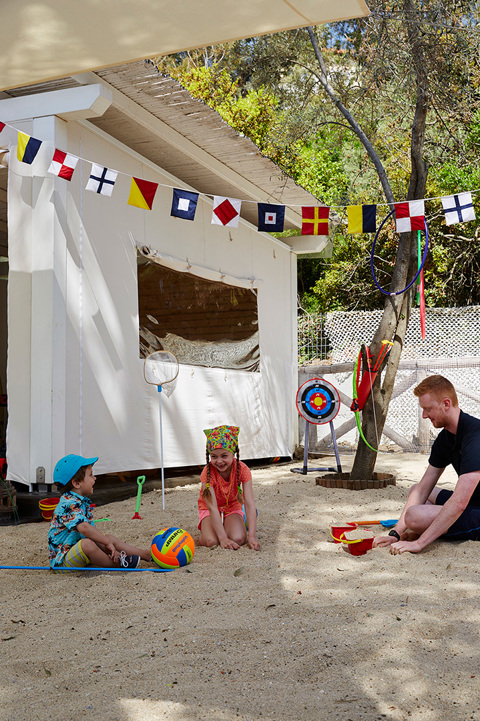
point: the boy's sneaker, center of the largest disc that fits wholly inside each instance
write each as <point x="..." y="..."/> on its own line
<point x="129" y="561"/>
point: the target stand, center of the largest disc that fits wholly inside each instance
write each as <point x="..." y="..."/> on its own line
<point x="318" y="402"/>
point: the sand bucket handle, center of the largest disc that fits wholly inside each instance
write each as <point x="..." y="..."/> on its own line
<point x="353" y="525"/>
<point x="342" y="538"/>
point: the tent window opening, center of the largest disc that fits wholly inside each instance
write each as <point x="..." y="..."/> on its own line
<point x="202" y="322"/>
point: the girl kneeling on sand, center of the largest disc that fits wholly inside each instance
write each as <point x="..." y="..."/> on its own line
<point x="221" y="519"/>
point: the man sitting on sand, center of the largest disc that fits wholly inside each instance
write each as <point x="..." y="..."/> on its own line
<point x="431" y="512"/>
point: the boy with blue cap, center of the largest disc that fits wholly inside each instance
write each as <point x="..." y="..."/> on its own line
<point x="73" y="540"/>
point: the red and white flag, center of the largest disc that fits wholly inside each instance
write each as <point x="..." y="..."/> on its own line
<point x="226" y="211"/>
<point x="410" y="215"/>
<point x="63" y="164"/>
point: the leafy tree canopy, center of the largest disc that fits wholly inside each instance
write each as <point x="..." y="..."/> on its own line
<point x="268" y="88"/>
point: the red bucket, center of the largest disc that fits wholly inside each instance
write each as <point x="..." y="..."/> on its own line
<point x="47" y="507"/>
<point x="358" y="546"/>
<point x="337" y="531"/>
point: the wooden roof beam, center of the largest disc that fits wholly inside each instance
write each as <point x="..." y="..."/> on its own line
<point x="187" y="147"/>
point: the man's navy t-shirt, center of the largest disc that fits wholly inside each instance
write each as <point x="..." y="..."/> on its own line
<point x="462" y="450"/>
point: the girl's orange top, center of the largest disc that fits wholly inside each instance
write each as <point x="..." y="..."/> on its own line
<point x="225" y="491"/>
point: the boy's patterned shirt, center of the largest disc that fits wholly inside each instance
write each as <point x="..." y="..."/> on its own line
<point x="71" y="510"/>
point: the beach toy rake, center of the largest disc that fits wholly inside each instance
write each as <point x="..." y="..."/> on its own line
<point x="140" y="482"/>
<point x="389" y="523"/>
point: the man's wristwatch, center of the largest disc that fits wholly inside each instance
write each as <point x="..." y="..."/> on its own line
<point x="393" y="532"/>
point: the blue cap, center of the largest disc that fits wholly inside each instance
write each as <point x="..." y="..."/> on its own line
<point x="68" y="466"/>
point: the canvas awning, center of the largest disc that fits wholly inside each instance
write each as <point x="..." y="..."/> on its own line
<point x="48" y="39"/>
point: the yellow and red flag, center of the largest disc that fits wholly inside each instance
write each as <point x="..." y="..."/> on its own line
<point x="315" y="220"/>
<point x="142" y="193"/>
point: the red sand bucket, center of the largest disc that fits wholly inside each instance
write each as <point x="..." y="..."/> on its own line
<point x="337" y="531"/>
<point x="47" y="507"/>
<point x="358" y="546"/>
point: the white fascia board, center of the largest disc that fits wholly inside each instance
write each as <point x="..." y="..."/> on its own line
<point x="186" y="146"/>
<point x="86" y="101"/>
<point x="305" y="244"/>
<point x="325" y="252"/>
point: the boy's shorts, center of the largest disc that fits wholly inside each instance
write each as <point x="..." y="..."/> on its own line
<point x="467" y="525"/>
<point x="74" y="558"/>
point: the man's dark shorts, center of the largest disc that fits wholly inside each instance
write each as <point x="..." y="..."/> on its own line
<point x="467" y="526"/>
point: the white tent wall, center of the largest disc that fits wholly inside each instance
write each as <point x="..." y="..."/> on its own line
<point x="75" y="378"/>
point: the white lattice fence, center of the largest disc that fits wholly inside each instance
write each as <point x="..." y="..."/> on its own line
<point x="451" y="347"/>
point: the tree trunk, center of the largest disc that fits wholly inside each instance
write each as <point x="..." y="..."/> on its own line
<point x="396" y="313"/>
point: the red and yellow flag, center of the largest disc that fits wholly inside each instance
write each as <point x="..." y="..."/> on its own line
<point x="142" y="193"/>
<point x="315" y="220"/>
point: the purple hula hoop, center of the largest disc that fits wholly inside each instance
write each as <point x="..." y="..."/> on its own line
<point x="420" y="267"/>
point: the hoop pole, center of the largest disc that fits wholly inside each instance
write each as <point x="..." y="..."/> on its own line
<point x="305" y="448"/>
<point x="159" y="388"/>
<point x="421" y="291"/>
<point x="334" y="439"/>
<point x="419" y="253"/>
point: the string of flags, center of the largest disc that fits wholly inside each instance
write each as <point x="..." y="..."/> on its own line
<point x="409" y="215"/>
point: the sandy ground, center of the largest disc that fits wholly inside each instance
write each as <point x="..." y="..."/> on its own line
<point x="299" y="631"/>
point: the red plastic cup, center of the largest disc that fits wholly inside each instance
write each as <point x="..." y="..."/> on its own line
<point x="47" y="507"/>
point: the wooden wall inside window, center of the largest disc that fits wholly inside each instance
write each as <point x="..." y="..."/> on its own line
<point x="192" y="308"/>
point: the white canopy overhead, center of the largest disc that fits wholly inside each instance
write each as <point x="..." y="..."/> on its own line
<point x="47" y="39"/>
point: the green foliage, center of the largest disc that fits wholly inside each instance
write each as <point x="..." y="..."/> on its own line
<point x="453" y="264"/>
<point x="321" y="166"/>
<point x="251" y="114"/>
<point x="268" y="89"/>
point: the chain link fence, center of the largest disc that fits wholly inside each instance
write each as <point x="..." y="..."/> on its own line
<point x="313" y="343"/>
<point x="451" y="348"/>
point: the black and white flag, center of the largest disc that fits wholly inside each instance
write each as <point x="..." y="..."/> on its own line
<point x="458" y="208"/>
<point x="101" y="180"/>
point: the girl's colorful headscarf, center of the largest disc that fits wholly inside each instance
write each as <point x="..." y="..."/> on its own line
<point x="222" y="437"/>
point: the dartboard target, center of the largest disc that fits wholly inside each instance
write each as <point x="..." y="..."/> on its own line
<point x="318" y="401"/>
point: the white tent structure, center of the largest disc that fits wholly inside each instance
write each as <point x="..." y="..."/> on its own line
<point x="78" y="318"/>
<point x="79" y="263"/>
<point x="48" y="39"/>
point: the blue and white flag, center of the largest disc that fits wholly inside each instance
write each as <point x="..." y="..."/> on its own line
<point x="101" y="180"/>
<point x="458" y="208"/>
<point x="184" y="204"/>
<point x="271" y="217"/>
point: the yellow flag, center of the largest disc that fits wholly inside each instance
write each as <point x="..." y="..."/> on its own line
<point x="142" y="193"/>
<point x="27" y="148"/>
<point x="361" y="218"/>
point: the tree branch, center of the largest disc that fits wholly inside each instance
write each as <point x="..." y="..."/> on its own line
<point x="322" y="77"/>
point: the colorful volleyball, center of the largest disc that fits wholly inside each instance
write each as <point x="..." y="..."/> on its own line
<point x="173" y="548"/>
